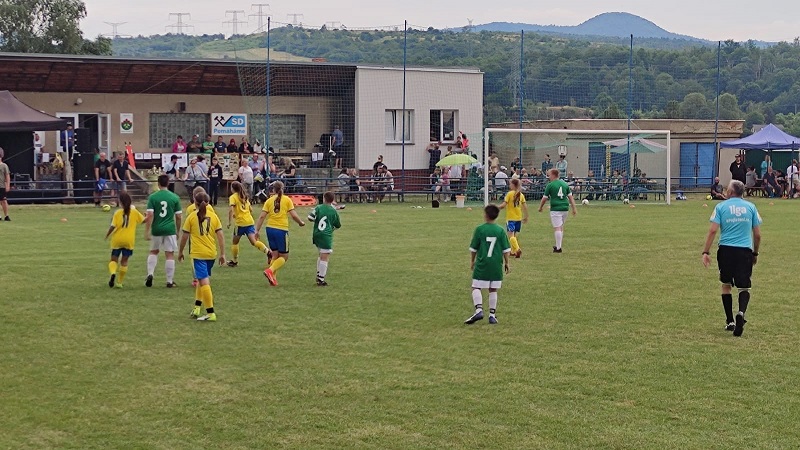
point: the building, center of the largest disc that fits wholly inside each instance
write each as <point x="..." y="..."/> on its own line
<point x="148" y="103"/>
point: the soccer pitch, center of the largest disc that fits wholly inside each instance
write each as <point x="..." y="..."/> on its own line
<point x="616" y="343"/>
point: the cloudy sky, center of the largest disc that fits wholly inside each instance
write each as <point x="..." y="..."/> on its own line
<point x="768" y="20"/>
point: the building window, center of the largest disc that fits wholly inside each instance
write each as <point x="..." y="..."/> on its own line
<point x="164" y="128"/>
<point x="285" y="130"/>
<point x="394" y="126"/>
<point x="443" y="125"/>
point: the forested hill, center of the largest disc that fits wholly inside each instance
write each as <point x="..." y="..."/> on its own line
<point x="562" y="77"/>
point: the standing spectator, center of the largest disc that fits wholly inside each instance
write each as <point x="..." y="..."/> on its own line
<point x="516" y="165"/>
<point x="171" y="169"/>
<point x="102" y="172"/>
<point x="220" y="146"/>
<point x="246" y="177"/>
<point x="435" y="154"/>
<point x="5" y="186"/>
<point x="208" y="145"/>
<point x="215" y="179"/>
<point x="561" y="164"/>
<point x="377" y="165"/>
<point x="120" y="173"/>
<point x="767" y="162"/>
<point x="68" y="141"/>
<point x="232" y="147"/>
<point x="245" y="146"/>
<point x="738" y="169"/>
<point x="258" y="148"/>
<point x="717" y="192"/>
<point x="456" y="174"/>
<point x="501" y="179"/>
<point x="494" y="161"/>
<point x="739" y="225"/>
<point x="179" y="146"/>
<point x="546" y="164"/>
<point x="338" y="142"/>
<point x="194" y="177"/>
<point x="464" y="141"/>
<point x="752" y="180"/>
<point x="195" y="146"/>
<point x="202" y="165"/>
<point x="792" y="178"/>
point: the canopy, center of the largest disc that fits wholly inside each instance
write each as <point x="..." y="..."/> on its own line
<point x="769" y="138"/>
<point x="456" y="159"/>
<point x="637" y="145"/>
<point x="16" y="116"/>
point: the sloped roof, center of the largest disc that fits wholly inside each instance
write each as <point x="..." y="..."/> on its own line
<point x="768" y="138"/>
<point x="17" y="116"/>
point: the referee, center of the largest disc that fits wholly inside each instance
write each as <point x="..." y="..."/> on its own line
<point x="739" y="225"/>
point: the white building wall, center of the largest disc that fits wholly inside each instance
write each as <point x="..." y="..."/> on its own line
<point x="379" y="89"/>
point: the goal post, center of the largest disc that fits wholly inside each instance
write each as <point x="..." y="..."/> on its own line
<point x="601" y="164"/>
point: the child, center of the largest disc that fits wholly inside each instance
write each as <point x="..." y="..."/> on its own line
<point x="516" y="214"/>
<point x="325" y="219"/>
<point x="240" y="213"/>
<point x="490" y="249"/>
<point x="123" y="226"/>
<point x="278" y="208"/>
<point x="202" y="228"/>
<point x="561" y="200"/>
<point x="192" y="208"/>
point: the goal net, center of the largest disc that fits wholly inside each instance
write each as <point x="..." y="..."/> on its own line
<point x="622" y="166"/>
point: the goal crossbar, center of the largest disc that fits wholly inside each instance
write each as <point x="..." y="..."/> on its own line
<point x="488" y="131"/>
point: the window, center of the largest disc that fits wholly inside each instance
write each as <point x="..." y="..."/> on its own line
<point x="164" y="128"/>
<point x="285" y="130"/>
<point x="443" y="125"/>
<point x="394" y="126"/>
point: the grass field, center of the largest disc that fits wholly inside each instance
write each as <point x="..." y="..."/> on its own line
<point x="616" y="343"/>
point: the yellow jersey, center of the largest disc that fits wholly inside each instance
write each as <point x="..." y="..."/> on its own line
<point x="191" y="208"/>
<point x="514" y="210"/>
<point x="278" y="220"/>
<point x="203" y="236"/>
<point x="241" y="211"/>
<point x="124" y="235"/>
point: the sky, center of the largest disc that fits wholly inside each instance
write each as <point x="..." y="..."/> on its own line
<point x="767" y="20"/>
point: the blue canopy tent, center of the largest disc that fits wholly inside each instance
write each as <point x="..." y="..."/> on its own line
<point x="768" y="139"/>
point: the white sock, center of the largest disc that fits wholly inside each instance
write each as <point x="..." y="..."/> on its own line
<point x="477" y="297"/>
<point x="559" y="238"/>
<point x="492" y="301"/>
<point x="322" y="268"/>
<point x="152" y="262"/>
<point x="169" y="268"/>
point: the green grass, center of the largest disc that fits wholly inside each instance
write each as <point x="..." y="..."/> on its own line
<point x="616" y="343"/>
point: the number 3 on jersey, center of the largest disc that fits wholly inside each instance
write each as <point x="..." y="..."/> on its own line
<point x="163" y="212"/>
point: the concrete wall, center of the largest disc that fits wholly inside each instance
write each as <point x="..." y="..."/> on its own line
<point x="381" y="89"/>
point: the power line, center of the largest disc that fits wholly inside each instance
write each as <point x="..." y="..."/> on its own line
<point x="260" y="14"/>
<point x="333" y="25"/>
<point x="114" y="34"/>
<point x="294" y="17"/>
<point x="180" y="25"/>
<point x="235" y="21"/>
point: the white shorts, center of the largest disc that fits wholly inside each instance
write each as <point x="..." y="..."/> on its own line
<point x="557" y="218"/>
<point x="165" y="243"/>
<point x="483" y="284"/>
<point x="325" y="251"/>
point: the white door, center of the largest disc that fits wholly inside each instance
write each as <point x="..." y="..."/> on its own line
<point x="104" y="132"/>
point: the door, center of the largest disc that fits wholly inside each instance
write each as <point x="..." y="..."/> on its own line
<point x="697" y="162"/>
<point x="73" y="120"/>
<point x="104" y="132"/>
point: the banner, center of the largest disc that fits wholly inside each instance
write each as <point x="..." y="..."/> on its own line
<point x="229" y="124"/>
<point x="126" y="123"/>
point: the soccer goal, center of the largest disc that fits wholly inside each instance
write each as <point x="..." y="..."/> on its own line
<point x="624" y="166"/>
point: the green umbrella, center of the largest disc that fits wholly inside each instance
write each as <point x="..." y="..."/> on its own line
<point x="456" y="159"/>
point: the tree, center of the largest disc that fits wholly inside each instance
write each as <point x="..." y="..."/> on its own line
<point x="694" y="106"/>
<point x="729" y="107"/>
<point x="46" y="26"/>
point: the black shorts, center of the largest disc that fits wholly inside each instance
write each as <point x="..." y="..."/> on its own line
<point x="2" y="194"/>
<point x="735" y="266"/>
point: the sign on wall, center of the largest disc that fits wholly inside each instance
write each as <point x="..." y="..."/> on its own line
<point x="126" y="123"/>
<point x="229" y="124"/>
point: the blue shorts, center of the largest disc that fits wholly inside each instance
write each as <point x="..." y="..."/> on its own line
<point x="514" y="226"/>
<point x="202" y="268"/>
<point x="126" y="252"/>
<point x="244" y="231"/>
<point x="278" y="240"/>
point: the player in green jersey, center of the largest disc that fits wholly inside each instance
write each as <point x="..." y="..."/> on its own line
<point x="163" y="223"/>
<point x="490" y="248"/>
<point x="560" y="196"/>
<point x="325" y="219"/>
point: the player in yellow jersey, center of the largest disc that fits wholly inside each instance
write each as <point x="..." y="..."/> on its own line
<point x="239" y="213"/>
<point x="277" y="210"/>
<point x="192" y="208"/>
<point x="516" y="214"/>
<point x="205" y="232"/>
<point x="123" y="238"/>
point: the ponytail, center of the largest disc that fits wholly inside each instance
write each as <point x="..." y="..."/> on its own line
<point x="515" y="184"/>
<point x="125" y="201"/>
<point x="201" y="202"/>
<point x="278" y="187"/>
<point x="238" y="188"/>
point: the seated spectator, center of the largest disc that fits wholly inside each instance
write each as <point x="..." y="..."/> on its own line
<point x="771" y="185"/>
<point x="355" y="185"/>
<point x="179" y="146"/>
<point x="383" y="182"/>
<point x="717" y="191"/>
<point x="220" y="146"/>
<point x="208" y="145"/>
<point x="195" y="146"/>
<point x="289" y="176"/>
<point x="516" y="164"/>
<point x="232" y="147"/>
<point x="258" y="148"/>
<point x="273" y="169"/>
<point x="343" y="185"/>
<point x="616" y="183"/>
<point x="377" y="165"/>
<point x="440" y="183"/>
<point x="245" y="146"/>
<point x="751" y="180"/>
<point x="501" y="179"/>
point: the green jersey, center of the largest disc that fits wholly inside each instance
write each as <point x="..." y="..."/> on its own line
<point x="325" y="219"/>
<point x="489" y="242"/>
<point x="558" y="192"/>
<point x="164" y="205"/>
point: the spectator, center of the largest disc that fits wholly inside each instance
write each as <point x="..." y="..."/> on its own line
<point x="377" y="165"/>
<point x="494" y="162"/>
<point x="208" y="145"/>
<point x="215" y="179"/>
<point x="384" y="182"/>
<point x="516" y="164"/>
<point x="289" y="175"/>
<point x="459" y="144"/>
<point x="717" y="191"/>
<point x="202" y="165"/>
<point x="179" y="146"/>
<point x="561" y="164"/>
<point x="171" y="169"/>
<point x="464" y="141"/>
<point x="501" y="179"/>
<point x="355" y="184"/>
<point x="455" y="175"/>
<point x="343" y="181"/>
<point x="194" y="176"/>
<point x="5" y="186"/>
<point x="246" y="176"/>
<point x="68" y="141"/>
<point x="273" y="170"/>
<point x="738" y="169"/>
<point x="434" y="155"/>
<point x="792" y="178"/>
<point x="245" y="146"/>
<point x="546" y="164"/>
<point x="338" y="142"/>
<point x="771" y="185"/>
<point x="752" y="180"/>
<point x="767" y="162"/>
<point x="120" y="174"/>
<point x="195" y="146"/>
<point x="102" y="172"/>
<point x="232" y="147"/>
<point x="220" y="146"/>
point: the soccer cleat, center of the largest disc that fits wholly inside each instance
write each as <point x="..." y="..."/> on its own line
<point x="492" y="319"/>
<point x="556" y="250"/>
<point x="730" y="326"/>
<point x="118" y="286"/>
<point x="233" y="263"/>
<point x="739" y="328"/>
<point x="149" y="281"/>
<point x="172" y="285"/>
<point x="111" y="280"/>
<point x="195" y="313"/>
<point x="7" y="219"/>
<point x="321" y="282"/>
<point x="475" y="317"/>
<point x="271" y="277"/>
<point x="208" y="318"/>
<point x="518" y="253"/>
